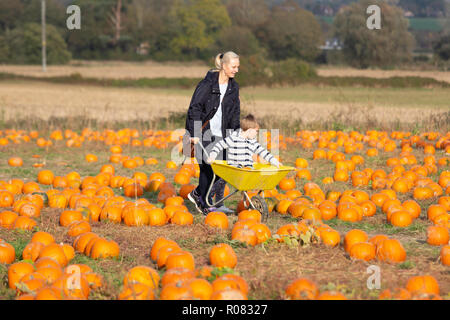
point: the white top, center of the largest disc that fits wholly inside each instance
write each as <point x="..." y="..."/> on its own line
<point x="216" y="121"/>
<point x="240" y="150"/>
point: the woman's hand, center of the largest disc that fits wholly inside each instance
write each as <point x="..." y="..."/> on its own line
<point x="195" y="140"/>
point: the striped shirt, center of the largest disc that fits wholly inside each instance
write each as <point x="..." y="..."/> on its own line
<point x="240" y="150"/>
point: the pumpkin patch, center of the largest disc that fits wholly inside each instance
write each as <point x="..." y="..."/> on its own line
<point x="354" y="199"/>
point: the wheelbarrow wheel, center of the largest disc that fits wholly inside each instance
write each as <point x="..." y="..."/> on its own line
<point x="260" y="204"/>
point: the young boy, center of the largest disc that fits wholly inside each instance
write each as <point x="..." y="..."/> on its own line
<point x="242" y="144"/>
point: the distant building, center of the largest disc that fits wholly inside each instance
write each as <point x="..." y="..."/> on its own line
<point x="328" y="11"/>
<point x="143" y="48"/>
<point x="408" y="14"/>
<point x="332" y="44"/>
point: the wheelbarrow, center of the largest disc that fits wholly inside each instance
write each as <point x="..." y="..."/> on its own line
<point x="261" y="177"/>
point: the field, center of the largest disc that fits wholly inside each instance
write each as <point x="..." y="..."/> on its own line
<point x="395" y="142"/>
<point x="372" y="73"/>
<point x="136" y="70"/>
<point x="113" y="69"/>
<point x="267" y="268"/>
<point x="284" y="108"/>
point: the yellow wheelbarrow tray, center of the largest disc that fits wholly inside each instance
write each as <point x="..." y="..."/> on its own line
<point x="261" y="177"/>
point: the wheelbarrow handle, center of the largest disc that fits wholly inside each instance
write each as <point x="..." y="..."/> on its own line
<point x="203" y="148"/>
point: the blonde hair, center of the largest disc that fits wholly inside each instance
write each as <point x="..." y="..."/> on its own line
<point x="249" y="122"/>
<point x="224" y="58"/>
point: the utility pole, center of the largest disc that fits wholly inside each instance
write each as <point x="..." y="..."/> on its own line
<point x="44" y="51"/>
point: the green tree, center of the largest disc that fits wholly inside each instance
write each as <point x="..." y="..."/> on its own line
<point x="196" y="25"/>
<point x="250" y="14"/>
<point x="95" y="39"/>
<point x="292" y="32"/>
<point x="363" y="47"/>
<point x="442" y="47"/>
<point x="238" y="39"/>
<point x="25" y="45"/>
<point x="4" y="49"/>
<point x="55" y="13"/>
<point x="254" y="70"/>
<point x="10" y="13"/>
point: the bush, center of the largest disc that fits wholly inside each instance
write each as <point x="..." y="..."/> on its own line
<point x="442" y="47"/>
<point x="253" y="70"/>
<point x="25" y="45"/>
<point x="421" y="58"/>
<point x="291" y="72"/>
<point x="238" y="39"/>
<point x="4" y="49"/>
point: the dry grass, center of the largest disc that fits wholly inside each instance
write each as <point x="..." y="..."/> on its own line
<point x="43" y="101"/>
<point x="150" y="69"/>
<point x="113" y="69"/>
<point x="373" y="73"/>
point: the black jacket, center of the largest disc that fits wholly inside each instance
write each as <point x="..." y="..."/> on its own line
<point x="205" y="102"/>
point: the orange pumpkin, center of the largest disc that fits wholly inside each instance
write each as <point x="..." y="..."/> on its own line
<point x="68" y="216"/>
<point x="144" y="275"/>
<point x="287" y="184"/>
<point x="426" y="284"/>
<point x="158" y="244"/>
<point x="32" y="251"/>
<point x="217" y="220"/>
<point x="7" y="219"/>
<point x="222" y="255"/>
<point x="181" y="259"/>
<point x="391" y="250"/>
<point x="437" y="235"/>
<point x="177" y="275"/>
<point x="164" y="252"/>
<point x="363" y="251"/>
<point x="45" y="177"/>
<point x="180" y="216"/>
<point x="17" y="271"/>
<point x="445" y="255"/>
<point x="354" y="236"/>
<point x="401" y="218"/>
<point x="7" y="253"/>
<point x="15" y="162"/>
<point x="302" y="289"/>
<point x="56" y="252"/>
<point x="104" y="249"/>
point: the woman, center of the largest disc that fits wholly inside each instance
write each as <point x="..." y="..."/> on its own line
<point x="214" y="112"/>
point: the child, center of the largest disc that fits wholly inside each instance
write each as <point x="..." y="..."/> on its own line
<point x="241" y="145"/>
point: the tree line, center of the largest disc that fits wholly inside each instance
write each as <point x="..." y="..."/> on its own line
<point x="184" y="30"/>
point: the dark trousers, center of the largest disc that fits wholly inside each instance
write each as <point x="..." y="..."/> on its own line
<point x="206" y="177"/>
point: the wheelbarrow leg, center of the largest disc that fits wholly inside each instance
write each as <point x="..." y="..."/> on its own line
<point x="258" y="203"/>
<point x="209" y="191"/>
<point x="220" y="201"/>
